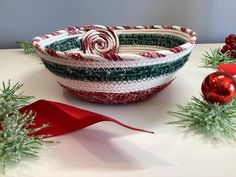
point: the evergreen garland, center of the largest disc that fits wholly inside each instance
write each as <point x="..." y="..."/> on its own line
<point x="214" y="57"/>
<point x="27" y="46"/>
<point x="15" y="142"/>
<point x="216" y="120"/>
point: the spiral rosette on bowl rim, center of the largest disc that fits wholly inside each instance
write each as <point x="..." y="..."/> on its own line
<point x="102" y="42"/>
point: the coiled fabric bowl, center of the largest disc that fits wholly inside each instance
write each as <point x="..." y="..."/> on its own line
<point x="118" y="64"/>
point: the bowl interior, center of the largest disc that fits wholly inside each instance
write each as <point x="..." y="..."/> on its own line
<point x="128" y="43"/>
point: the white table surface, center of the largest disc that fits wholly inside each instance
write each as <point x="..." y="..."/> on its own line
<point x="106" y="149"/>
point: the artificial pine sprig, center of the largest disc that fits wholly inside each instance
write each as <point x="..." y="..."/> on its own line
<point x="10" y="102"/>
<point x="212" y="118"/>
<point x="27" y="46"/>
<point x="214" y="57"/>
<point x="15" y="142"/>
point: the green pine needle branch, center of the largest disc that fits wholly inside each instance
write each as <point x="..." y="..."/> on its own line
<point x="215" y="120"/>
<point x="27" y="46"/>
<point x="214" y="57"/>
<point x="15" y="142"/>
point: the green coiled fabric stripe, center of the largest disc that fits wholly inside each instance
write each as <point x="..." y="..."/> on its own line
<point x="167" y="41"/>
<point x="66" y="44"/>
<point x="115" y="74"/>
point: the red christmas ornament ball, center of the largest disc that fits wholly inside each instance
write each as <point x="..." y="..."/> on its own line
<point x="219" y="87"/>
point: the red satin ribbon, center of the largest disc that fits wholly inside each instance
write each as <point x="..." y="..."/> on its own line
<point x="228" y="68"/>
<point x="64" y="118"/>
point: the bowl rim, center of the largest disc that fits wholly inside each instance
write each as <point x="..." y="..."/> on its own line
<point x="81" y="30"/>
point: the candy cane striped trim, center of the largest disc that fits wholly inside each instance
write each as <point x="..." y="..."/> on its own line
<point x="79" y="61"/>
<point x="76" y="30"/>
<point x="115" y="87"/>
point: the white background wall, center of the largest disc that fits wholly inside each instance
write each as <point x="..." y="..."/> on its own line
<point x="24" y="19"/>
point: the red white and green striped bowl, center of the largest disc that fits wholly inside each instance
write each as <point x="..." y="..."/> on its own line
<point x="118" y="64"/>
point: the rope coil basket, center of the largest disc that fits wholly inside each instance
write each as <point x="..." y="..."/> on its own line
<point x="118" y="64"/>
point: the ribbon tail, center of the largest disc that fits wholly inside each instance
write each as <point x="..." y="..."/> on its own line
<point x="129" y="127"/>
<point x="63" y="118"/>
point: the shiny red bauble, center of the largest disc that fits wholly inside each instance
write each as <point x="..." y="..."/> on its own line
<point x="219" y="87"/>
